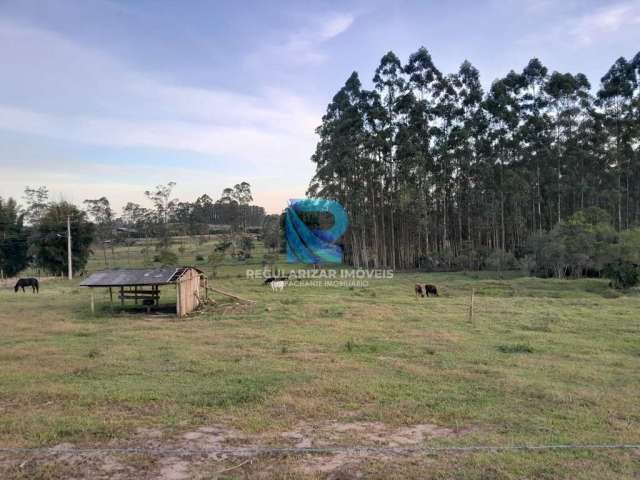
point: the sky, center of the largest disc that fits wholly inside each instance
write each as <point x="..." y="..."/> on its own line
<point x="112" y="97"/>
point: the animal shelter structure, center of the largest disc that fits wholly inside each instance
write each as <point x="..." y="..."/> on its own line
<point x="143" y="286"/>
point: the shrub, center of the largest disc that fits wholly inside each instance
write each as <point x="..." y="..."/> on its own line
<point x="223" y="246"/>
<point x="166" y="257"/>
<point x="501" y="260"/>
<point x="623" y="274"/>
<point x="214" y="261"/>
<point x="515" y="348"/>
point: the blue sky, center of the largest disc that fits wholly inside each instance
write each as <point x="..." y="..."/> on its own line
<point x="111" y="97"/>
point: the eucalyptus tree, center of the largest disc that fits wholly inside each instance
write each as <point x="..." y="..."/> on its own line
<point x="503" y="110"/>
<point x="374" y="146"/>
<point x="390" y="83"/>
<point x="163" y="209"/>
<point x="340" y="172"/>
<point x="467" y="146"/>
<point x="100" y="213"/>
<point x="431" y="168"/>
<point x="37" y="200"/>
<point x="565" y="92"/>
<point x="446" y="110"/>
<point x="424" y="79"/>
<point x="534" y="134"/>
<point x="616" y="98"/>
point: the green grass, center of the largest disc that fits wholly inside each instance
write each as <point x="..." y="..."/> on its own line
<point x="545" y="361"/>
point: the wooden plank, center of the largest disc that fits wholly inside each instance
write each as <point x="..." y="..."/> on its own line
<point x="138" y="297"/>
<point x="178" y="300"/>
<point x="231" y="295"/>
<point x="142" y="292"/>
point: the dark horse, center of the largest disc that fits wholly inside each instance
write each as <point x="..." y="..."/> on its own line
<point x="27" y="282"/>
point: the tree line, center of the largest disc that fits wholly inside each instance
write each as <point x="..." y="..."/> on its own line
<point x="435" y="172"/>
<point x="36" y="234"/>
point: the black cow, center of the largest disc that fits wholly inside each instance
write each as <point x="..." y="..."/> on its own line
<point x="268" y="280"/>
<point x="430" y="289"/>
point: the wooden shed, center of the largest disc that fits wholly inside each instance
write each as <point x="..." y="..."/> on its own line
<point x="142" y="285"/>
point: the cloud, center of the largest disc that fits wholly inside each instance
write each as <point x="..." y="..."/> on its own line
<point x="606" y="20"/>
<point x="304" y="46"/>
<point x="55" y="88"/>
<point x="578" y="30"/>
<point x="336" y="25"/>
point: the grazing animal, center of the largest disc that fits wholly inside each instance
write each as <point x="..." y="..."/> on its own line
<point x="424" y="289"/>
<point x="278" y="285"/>
<point x="269" y="280"/>
<point x="430" y="289"/>
<point x="27" y="282"/>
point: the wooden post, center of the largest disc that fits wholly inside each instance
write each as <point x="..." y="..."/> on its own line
<point x="69" y="255"/>
<point x="473" y="291"/>
<point x="93" y="302"/>
<point x="122" y="296"/>
<point x="135" y="290"/>
<point x="111" y="294"/>
<point x="178" y="306"/>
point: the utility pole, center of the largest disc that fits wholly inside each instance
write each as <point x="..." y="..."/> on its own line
<point x="69" y="260"/>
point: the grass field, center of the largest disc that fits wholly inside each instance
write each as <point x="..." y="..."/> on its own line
<point x="544" y="362"/>
<point x="190" y="251"/>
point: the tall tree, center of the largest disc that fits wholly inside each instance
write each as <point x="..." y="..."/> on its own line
<point x="49" y="238"/>
<point x="616" y="96"/>
<point x="13" y="239"/>
<point x="436" y="173"/>
<point x="36" y="200"/>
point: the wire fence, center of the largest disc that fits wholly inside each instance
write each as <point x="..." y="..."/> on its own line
<point x="262" y="451"/>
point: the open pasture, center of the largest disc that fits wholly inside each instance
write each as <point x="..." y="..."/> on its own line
<point x="544" y="362"/>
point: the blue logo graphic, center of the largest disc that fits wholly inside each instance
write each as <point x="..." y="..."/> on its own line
<point x="306" y="245"/>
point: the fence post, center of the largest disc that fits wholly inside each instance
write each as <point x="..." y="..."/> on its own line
<point x="473" y="291"/>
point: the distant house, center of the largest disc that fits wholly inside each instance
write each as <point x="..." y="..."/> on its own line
<point x="142" y="285"/>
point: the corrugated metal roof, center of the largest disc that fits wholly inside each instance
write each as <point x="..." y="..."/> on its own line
<point x="131" y="276"/>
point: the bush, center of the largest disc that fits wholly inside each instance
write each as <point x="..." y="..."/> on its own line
<point x="623" y="274"/>
<point x="214" y="261"/>
<point x="500" y="260"/>
<point x="223" y="246"/>
<point x="515" y="348"/>
<point x="166" y="257"/>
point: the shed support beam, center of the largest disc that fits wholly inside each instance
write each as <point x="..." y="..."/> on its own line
<point x="178" y="305"/>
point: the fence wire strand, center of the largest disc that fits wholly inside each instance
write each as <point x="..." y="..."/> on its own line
<point x="271" y="451"/>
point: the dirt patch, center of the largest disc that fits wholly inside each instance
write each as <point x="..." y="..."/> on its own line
<point x="331" y="449"/>
<point x="173" y="468"/>
<point x="370" y="438"/>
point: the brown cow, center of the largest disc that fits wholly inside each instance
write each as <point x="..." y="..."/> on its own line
<point x="424" y="289"/>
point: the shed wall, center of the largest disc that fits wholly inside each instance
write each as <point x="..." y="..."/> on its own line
<point x="188" y="292"/>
